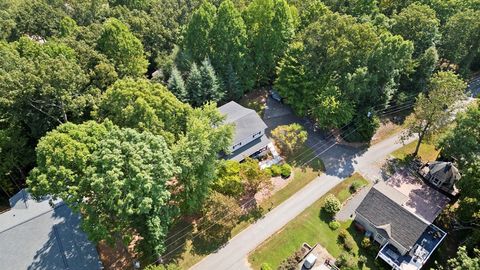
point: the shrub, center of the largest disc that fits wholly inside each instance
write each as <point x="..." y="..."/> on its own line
<point x="362" y="259"/>
<point x="346" y="239"/>
<point x="289" y="263"/>
<point x="366" y="243"/>
<point x="334" y="225"/>
<point x="355" y="186"/>
<point x="276" y="170"/>
<point x="286" y="170"/>
<point x="349" y="243"/>
<point x="298" y="255"/>
<point x="332" y="205"/>
<point x="265" y="266"/>
<point x="345" y="260"/>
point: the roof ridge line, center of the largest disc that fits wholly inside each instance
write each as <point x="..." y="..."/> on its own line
<point x="34" y="217"/>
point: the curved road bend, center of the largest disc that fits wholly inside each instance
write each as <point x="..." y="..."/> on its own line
<point x="234" y="254"/>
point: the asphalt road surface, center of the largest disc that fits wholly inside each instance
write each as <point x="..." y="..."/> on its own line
<point x="234" y="254"/>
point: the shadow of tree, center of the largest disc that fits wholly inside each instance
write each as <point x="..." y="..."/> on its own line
<point x="177" y="239"/>
<point x="67" y="246"/>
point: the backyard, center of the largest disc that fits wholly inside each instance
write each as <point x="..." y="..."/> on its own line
<point x="312" y="226"/>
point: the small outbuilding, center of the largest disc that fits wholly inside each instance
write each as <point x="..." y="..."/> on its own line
<point x="441" y="174"/>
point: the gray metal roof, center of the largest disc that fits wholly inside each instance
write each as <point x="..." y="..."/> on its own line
<point x="392" y="220"/>
<point x="247" y="121"/>
<point x="33" y="235"/>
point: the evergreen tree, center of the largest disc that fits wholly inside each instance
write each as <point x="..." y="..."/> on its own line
<point x="194" y="85"/>
<point x="232" y="84"/>
<point x="176" y="85"/>
<point x="212" y="90"/>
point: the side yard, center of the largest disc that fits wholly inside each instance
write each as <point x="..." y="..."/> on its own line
<point x="187" y="254"/>
<point x="427" y="151"/>
<point x="312" y="226"/>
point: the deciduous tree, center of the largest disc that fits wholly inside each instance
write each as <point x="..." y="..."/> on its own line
<point x="118" y="179"/>
<point x="123" y="49"/>
<point x="433" y="110"/>
<point x="145" y="106"/>
<point x="289" y="137"/>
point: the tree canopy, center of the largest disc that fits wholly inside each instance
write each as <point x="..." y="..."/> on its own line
<point x="433" y="110"/>
<point x="118" y="179"/>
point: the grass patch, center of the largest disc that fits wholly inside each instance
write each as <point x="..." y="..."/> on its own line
<point x="427" y="152"/>
<point x="311" y="226"/>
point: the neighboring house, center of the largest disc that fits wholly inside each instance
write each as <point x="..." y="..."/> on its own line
<point x="35" y="235"/>
<point x="398" y="214"/>
<point x="249" y="138"/>
<point x="441" y="174"/>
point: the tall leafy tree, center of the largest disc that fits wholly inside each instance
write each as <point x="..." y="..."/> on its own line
<point x="216" y="228"/>
<point x="145" y="106"/>
<point x="345" y="66"/>
<point x="462" y="144"/>
<point x="34" y="95"/>
<point x="123" y="49"/>
<point x="270" y="29"/>
<point x="118" y="179"/>
<point x="433" y="110"/>
<point x="463" y="261"/>
<point x="229" y="49"/>
<point x="196" y="41"/>
<point x="461" y="47"/>
<point x="419" y="24"/>
<point x="196" y="153"/>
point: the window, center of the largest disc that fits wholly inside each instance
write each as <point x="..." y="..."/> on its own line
<point x="256" y="134"/>
<point x="236" y="145"/>
<point x="380" y="238"/>
<point x="435" y="181"/>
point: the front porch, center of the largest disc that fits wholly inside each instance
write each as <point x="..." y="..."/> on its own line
<point x="418" y="255"/>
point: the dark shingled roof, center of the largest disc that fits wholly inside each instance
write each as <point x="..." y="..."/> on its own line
<point x="391" y="219"/>
<point x="247" y="121"/>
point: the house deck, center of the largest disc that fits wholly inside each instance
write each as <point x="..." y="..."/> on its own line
<point x="419" y="254"/>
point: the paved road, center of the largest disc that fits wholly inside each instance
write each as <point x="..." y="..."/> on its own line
<point x="234" y="254"/>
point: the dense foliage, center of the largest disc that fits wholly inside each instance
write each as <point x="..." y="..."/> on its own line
<point x="74" y="86"/>
<point x="462" y="145"/>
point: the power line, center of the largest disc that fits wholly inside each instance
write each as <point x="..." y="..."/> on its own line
<point x="396" y="108"/>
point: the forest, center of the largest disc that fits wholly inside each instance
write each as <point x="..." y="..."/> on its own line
<point x="116" y="100"/>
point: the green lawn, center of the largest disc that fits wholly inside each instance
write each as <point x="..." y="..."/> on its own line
<point x="310" y="227"/>
<point x="427" y="152"/>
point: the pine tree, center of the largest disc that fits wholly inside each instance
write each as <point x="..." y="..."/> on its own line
<point x="194" y="86"/>
<point x="232" y="84"/>
<point x="176" y="85"/>
<point x="210" y="84"/>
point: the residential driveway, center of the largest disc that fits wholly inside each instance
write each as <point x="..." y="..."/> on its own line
<point x="348" y="210"/>
<point x="340" y="162"/>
